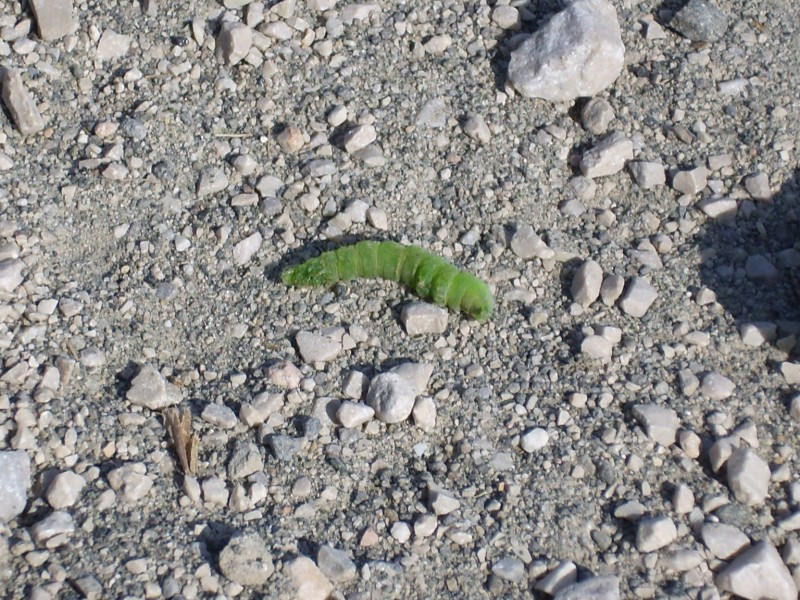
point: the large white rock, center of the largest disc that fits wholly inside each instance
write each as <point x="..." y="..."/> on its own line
<point x="578" y="52"/>
<point x="748" y="476"/>
<point x="758" y="573"/>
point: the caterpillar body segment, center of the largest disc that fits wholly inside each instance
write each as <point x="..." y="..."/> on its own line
<point x="427" y="275"/>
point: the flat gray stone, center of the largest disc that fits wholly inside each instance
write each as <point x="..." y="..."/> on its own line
<point x="150" y="389"/>
<point x="758" y="573"/>
<point x="335" y="564"/>
<point x="20" y="103"/>
<point x="700" y="21"/>
<point x="15" y="479"/>
<point x="245" y="560"/>
<point x="54" y="18"/>
<point x="392" y="397"/>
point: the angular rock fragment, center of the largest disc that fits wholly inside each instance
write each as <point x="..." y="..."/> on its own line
<point x="661" y="423"/>
<point x="638" y="298"/>
<point x="54" y="18"/>
<point x="700" y="21"/>
<point x="578" y="52"/>
<point x="586" y="284"/>
<point x="748" y="476"/>
<point x="150" y="389"/>
<point x="758" y="573"/>
<point x="608" y="156"/>
<point x="392" y="397"/>
<point x="20" y="103"/>
<point x="419" y="318"/>
<point x="245" y="560"/>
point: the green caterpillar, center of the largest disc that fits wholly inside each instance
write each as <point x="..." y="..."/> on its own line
<point x="427" y="275"/>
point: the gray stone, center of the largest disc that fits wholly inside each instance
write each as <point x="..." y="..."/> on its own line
<point x="245" y="460"/>
<point x="112" y="45"/>
<point x="354" y="414"/>
<point x="595" y="588"/>
<point x="661" y="423"/>
<point x="748" y="476"/>
<point x="758" y="573"/>
<point x="654" y="533"/>
<point x="20" y="103"/>
<point x="442" y="502"/>
<point x="526" y="244"/>
<point x="392" y="397"/>
<point x="759" y="332"/>
<point x="758" y="186"/>
<point x="597" y="347"/>
<point x="596" y="115"/>
<point x="578" y="52"/>
<point x="234" y="42"/>
<point x="716" y="386"/>
<point x="359" y="138"/>
<point x="607" y="156"/>
<point x="64" y="490"/>
<point x="15" y="479"/>
<point x="510" y="569"/>
<point x="476" y="128"/>
<point x="722" y="540"/>
<point x="432" y="114"/>
<point x="534" y="439"/>
<point x="54" y="529"/>
<point x="309" y="581"/>
<point x="718" y="208"/>
<point x="244" y="251"/>
<point x="586" y="284"/>
<point x="424" y="413"/>
<point x="638" y="298"/>
<point x="690" y="182"/>
<point x="700" y="21"/>
<point x="11" y="274"/>
<point x="647" y="174"/>
<point x="284" y="447"/>
<point x="335" y="564"/>
<point x="759" y="268"/>
<point x="211" y="181"/>
<point x="54" y="18"/>
<point x="317" y="348"/>
<point x="150" y="389"/>
<point x="245" y="560"/>
<point x="564" y="575"/>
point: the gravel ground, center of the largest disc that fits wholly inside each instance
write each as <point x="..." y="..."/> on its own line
<point x="185" y="153"/>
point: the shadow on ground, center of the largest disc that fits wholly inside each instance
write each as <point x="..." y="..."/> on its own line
<point x="752" y="261"/>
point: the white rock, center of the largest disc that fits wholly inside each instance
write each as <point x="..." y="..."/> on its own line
<point x="354" y="414"/>
<point x="425" y="525"/>
<point x="758" y="186"/>
<point x="20" y="103"/>
<point x="424" y="413"/>
<point x="130" y="481"/>
<point x="655" y="533"/>
<point x="392" y="396"/>
<point x="11" y="274"/>
<point x="690" y="182"/>
<point x="432" y="114"/>
<point x="211" y="181"/>
<point x="112" y="45"/>
<point x="759" y="332"/>
<point x="442" y="502"/>
<point x="563" y="576"/>
<point x="611" y="289"/>
<point x="358" y="12"/>
<point x="534" y="440"/>
<point x="336" y="564"/>
<point x="54" y="529"/>
<point x="791" y="372"/>
<point x="597" y="347"/>
<point x="722" y="540"/>
<point x="219" y="415"/>
<point x="638" y="298"/>
<point x="661" y="423"/>
<point x="683" y="499"/>
<point x="150" y="389"/>
<point x="506" y="17"/>
<point x="215" y="491"/>
<point x="716" y="386"/>
<point x="234" y="42"/>
<point x="419" y="318"/>
<point x="417" y="373"/>
<point x="337" y="116"/>
<point x="15" y="479"/>
<point x="476" y="128"/>
<point x="438" y="44"/>
<point x="647" y="174"/>
<point x="320" y="5"/>
<point x="246" y="560"/>
<point x="65" y="489"/>
<point x="586" y="283"/>
<point x="244" y="251"/>
<point x="284" y="374"/>
<point x="309" y="582"/>
<point x="359" y="138"/>
<point x="718" y="208"/>
<point x="794" y="408"/>
<point x="748" y="476"/>
<point x="758" y="573"/>
<point x="526" y="244"/>
<point x="317" y="348"/>
<point x="604" y="587"/>
<point x="681" y="560"/>
<point x="54" y="18"/>
<point x="401" y="531"/>
<point x="608" y="156"/>
<point x="578" y="52"/>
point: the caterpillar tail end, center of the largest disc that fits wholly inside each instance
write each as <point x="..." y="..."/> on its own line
<point x="309" y="273"/>
<point x="481" y="313"/>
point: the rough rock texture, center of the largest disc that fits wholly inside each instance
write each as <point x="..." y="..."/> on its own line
<point x="578" y="52"/>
